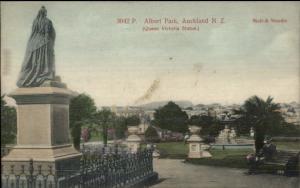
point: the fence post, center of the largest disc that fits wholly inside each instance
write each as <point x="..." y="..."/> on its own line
<point x="81" y="171"/>
<point x="116" y="149"/>
<point x="31" y="169"/>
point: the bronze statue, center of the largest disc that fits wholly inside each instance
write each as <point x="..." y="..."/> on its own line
<point x="38" y="65"/>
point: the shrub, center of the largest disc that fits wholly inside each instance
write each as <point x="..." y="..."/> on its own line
<point x="151" y="135"/>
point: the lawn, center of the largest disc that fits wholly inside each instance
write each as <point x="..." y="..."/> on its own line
<point x="173" y="150"/>
<point x="234" y="158"/>
<point x="180" y="150"/>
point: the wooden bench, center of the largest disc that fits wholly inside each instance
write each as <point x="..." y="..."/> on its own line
<point x="278" y="164"/>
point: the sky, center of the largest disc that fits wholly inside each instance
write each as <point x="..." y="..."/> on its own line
<point x="120" y="64"/>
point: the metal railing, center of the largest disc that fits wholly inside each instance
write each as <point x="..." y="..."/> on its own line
<point x="97" y="170"/>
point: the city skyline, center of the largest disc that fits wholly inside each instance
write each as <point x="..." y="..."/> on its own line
<point x="123" y="65"/>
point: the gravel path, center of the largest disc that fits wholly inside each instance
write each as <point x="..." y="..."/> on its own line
<point x="176" y="174"/>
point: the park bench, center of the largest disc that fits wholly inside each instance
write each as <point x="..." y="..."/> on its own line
<point x="279" y="164"/>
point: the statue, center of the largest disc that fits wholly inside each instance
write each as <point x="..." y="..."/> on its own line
<point x="251" y="132"/>
<point x="226" y="136"/>
<point x="38" y="65"/>
<point x="232" y="136"/>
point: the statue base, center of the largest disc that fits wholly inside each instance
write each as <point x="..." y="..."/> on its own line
<point x="51" y="160"/>
<point x="133" y="143"/>
<point x="42" y="131"/>
<point x="197" y="148"/>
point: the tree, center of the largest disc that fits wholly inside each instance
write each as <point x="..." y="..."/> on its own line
<point x="171" y="117"/>
<point x="289" y="129"/>
<point x="82" y="108"/>
<point x="263" y="116"/>
<point x="210" y="126"/>
<point x="105" y="119"/>
<point x="133" y="120"/>
<point x="204" y="121"/>
<point x="121" y="123"/>
<point x="151" y="135"/>
<point x="8" y="123"/>
<point x="120" y="127"/>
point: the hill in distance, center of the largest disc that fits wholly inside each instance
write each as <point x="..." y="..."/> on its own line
<point x="157" y="104"/>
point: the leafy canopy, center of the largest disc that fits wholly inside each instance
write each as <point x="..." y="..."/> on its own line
<point x="171" y="117"/>
<point x="263" y="115"/>
<point x="8" y="123"/>
<point x="81" y="109"/>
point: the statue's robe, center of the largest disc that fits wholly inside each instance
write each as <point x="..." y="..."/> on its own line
<point x="38" y="65"/>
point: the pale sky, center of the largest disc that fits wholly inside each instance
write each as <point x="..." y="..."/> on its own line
<point x="119" y="64"/>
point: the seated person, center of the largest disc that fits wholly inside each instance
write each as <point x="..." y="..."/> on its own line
<point x="269" y="150"/>
<point x="254" y="161"/>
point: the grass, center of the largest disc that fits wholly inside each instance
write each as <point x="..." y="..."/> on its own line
<point x="234" y="158"/>
<point x="173" y="148"/>
<point x="178" y="150"/>
<point x="222" y="154"/>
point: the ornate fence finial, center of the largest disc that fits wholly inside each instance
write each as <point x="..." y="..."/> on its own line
<point x="22" y="169"/>
<point x="12" y="169"/>
<point x="50" y="169"/>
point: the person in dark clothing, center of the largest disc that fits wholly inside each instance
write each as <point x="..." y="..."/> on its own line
<point x="269" y="150"/>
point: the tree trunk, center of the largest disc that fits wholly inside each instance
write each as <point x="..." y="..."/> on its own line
<point x="76" y="134"/>
<point x="259" y="140"/>
<point x="104" y="132"/>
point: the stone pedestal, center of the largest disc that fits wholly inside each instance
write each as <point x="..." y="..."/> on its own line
<point x="43" y="129"/>
<point x="196" y="147"/>
<point x="155" y="153"/>
<point x="133" y="140"/>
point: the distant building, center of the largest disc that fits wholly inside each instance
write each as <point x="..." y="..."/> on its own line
<point x="290" y="111"/>
<point x="125" y="111"/>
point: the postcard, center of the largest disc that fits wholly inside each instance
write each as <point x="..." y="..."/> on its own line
<point x="154" y="94"/>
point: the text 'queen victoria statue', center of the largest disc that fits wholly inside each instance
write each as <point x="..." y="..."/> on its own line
<point x="38" y="65"/>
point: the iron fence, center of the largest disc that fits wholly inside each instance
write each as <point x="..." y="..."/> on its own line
<point x="97" y="170"/>
<point x="100" y="149"/>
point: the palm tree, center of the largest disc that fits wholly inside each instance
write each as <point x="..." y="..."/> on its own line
<point x="263" y="115"/>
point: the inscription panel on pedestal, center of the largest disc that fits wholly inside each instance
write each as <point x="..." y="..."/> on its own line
<point x="34" y="124"/>
<point x="193" y="147"/>
<point x="60" y="124"/>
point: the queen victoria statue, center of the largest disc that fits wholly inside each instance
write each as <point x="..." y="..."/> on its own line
<point x="42" y="108"/>
<point x="38" y="65"/>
